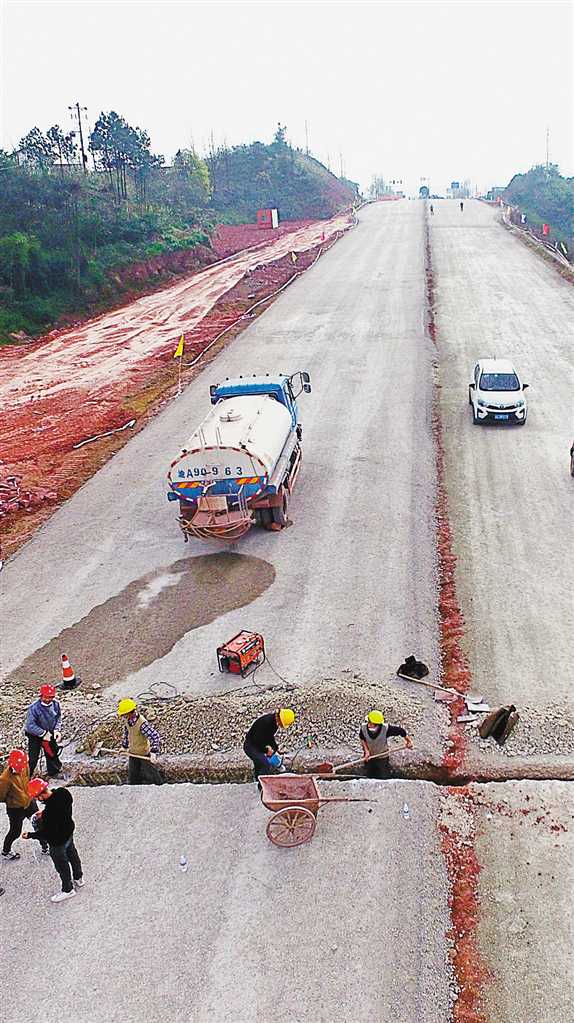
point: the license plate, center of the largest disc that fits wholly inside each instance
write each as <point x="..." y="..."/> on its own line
<point x="501" y="417"/>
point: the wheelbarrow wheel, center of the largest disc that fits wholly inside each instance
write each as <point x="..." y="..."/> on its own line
<point x="292" y="826"/>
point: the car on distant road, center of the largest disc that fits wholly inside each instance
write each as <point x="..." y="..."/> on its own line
<point x="496" y="393"/>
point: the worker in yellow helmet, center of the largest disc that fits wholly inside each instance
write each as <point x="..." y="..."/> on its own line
<point x="374" y="734"/>
<point x="260" y="744"/>
<point x="143" y="743"/>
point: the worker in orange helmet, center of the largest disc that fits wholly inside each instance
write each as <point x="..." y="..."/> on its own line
<point x="43" y="730"/>
<point x="19" y="804"/>
<point x="56" y="827"/>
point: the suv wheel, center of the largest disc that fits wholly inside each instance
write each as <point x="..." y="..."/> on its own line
<point x="475" y="419"/>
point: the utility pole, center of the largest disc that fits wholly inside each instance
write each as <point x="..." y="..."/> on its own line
<point x="78" y="111"/>
<point x="547" y="148"/>
<point x="306" y="138"/>
<point x="341" y="164"/>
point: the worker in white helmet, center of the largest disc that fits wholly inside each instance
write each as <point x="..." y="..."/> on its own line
<point x="374" y="734"/>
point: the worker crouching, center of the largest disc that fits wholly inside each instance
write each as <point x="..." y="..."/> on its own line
<point x="143" y="744"/>
<point x="374" y="734"/>
<point x="260" y="744"/>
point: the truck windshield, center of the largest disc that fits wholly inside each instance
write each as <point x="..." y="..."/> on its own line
<point x="499" y="382"/>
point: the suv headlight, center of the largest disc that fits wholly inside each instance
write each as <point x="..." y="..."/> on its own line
<point x="482" y="403"/>
<point x="520" y="403"/>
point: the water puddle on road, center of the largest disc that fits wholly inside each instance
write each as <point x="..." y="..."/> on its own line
<point x="145" y="621"/>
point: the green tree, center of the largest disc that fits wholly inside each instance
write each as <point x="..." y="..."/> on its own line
<point x="63" y="146"/>
<point x="193" y="175"/>
<point x="37" y="150"/>
<point x="19" y="256"/>
<point x="280" y="136"/>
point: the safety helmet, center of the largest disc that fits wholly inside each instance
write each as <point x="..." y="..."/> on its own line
<point x="17" y="760"/>
<point x="47" y="692"/>
<point x="36" y="787"/>
<point x="375" y="717"/>
<point x="126" y="706"/>
<point x="286" y="717"/>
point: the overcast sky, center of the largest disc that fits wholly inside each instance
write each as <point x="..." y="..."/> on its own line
<point x="435" y="90"/>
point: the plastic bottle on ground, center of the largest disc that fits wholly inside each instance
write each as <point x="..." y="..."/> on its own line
<point x="183" y="863"/>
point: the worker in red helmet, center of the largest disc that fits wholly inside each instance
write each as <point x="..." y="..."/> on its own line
<point x="19" y="804"/>
<point x="43" y="730"/>
<point x="57" y="829"/>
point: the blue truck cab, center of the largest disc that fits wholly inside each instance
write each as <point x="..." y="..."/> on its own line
<point x="285" y="389"/>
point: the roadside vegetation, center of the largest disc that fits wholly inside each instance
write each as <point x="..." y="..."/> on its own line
<point x="81" y="231"/>
<point x="546" y="198"/>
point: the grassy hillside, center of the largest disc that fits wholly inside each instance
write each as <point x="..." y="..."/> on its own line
<point x="247" y="178"/>
<point x="74" y="241"/>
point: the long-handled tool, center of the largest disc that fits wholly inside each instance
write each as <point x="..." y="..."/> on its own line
<point x="327" y="769"/>
<point x="123" y="752"/>
<point x="442" y="689"/>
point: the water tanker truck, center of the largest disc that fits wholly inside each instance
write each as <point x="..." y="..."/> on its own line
<point x="240" y="465"/>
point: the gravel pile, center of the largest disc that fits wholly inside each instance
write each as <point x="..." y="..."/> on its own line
<point x="328" y="715"/>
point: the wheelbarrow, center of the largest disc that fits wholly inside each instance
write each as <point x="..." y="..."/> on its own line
<point x="295" y="800"/>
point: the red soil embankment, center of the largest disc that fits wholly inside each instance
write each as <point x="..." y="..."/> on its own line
<point x="95" y="377"/>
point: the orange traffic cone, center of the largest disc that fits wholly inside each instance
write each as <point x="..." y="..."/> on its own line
<point x="69" y="680"/>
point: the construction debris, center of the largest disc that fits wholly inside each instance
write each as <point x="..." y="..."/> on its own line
<point x="499" y="723"/>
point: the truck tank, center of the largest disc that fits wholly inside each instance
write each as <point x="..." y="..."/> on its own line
<point x="236" y="448"/>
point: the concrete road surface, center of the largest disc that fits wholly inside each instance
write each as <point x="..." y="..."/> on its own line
<point x="348" y="927"/>
<point x="526" y="932"/>
<point x="510" y="493"/>
<point x="351" y="584"/>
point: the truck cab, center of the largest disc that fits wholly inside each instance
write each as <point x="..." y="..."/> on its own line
<point x="285" y="389"/>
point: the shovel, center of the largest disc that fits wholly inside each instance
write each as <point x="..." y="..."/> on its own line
<point x="122" y="752"/>
<point x="327" y="769"/>
<point x="441" y="689"/>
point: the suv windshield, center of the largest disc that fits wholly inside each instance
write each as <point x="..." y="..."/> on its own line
<point x="499" y="382"/>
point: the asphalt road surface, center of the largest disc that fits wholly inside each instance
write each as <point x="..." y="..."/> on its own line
<point x="510" y="491"/>
<point x="354" y="577"/>
<point x="333" y="930"/>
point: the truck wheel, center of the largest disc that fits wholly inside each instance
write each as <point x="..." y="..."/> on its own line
<point x="280" y="513"/>
<point x="265" y="518"/>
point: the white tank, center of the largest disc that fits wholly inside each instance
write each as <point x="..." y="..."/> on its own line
<point x="241" y="437"/>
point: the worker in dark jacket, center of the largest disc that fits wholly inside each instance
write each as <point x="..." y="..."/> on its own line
<point x="19" y="805"/>
<point x="43" y="730"/>
<point x="260" y="743"/>
<point x="143" y="744"/>
<point x="374" y="733"/>
<point x="56" y="827"/>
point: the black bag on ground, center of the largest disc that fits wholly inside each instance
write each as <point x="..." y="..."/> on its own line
<point x="413" y="668"/>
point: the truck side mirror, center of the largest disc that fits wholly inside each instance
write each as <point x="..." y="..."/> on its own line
<point x="307" y="388"/>
<point x="212" y="390"/>
<point x="472" y="386"/>
<point x="306" y="378"/>
<point x="524" y="386"/>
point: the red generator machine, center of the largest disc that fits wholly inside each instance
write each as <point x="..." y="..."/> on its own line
<point x="242" y="654"/>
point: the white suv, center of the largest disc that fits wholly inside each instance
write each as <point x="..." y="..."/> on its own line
<point x="497" y="393"/>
